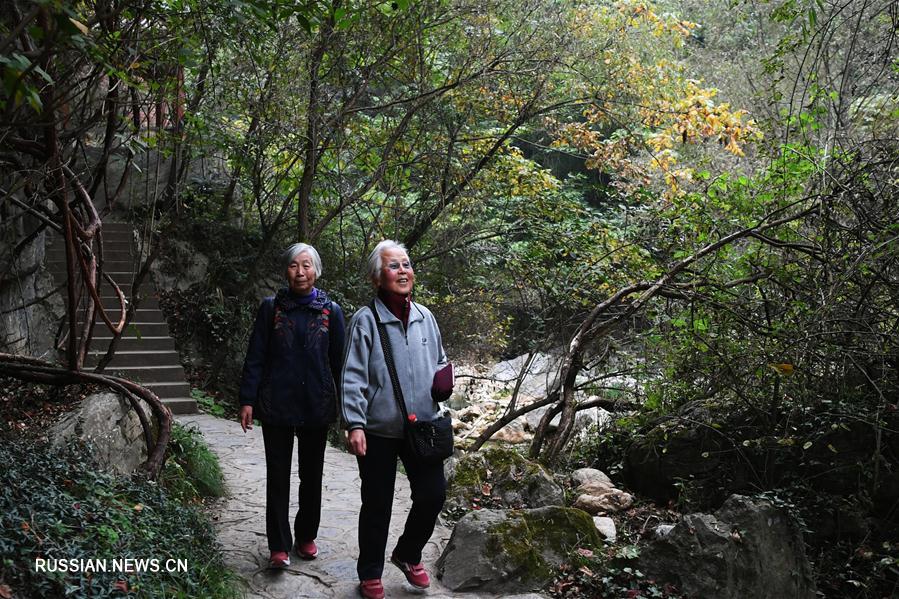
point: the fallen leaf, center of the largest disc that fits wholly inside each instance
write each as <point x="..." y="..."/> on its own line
<point x="585" y="552"/>
<point x="5" y="591"/>
<point x="121" y="585"/>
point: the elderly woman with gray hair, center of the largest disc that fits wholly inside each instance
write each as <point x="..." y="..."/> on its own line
<point x="375" y="423"/>
<point x="290" y="379"/>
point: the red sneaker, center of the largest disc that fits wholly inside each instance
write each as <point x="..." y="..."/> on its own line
<point x="279" y="559"/>
<point x="371" y="588"/>
<point x="415" y="573"/>
<point x="306" y="549"/>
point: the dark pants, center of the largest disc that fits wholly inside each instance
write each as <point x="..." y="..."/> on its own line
<point x="378" y="472"/>
<point x="311" y="459"/>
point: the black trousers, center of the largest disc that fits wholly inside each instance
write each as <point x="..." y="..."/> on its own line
<point x="311" y="460"/>
<point x="377" y="468"/>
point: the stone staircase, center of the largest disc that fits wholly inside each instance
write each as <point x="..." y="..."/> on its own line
<point x="145" y="353"/>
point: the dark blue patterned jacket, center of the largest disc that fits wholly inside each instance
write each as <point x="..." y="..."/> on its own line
<point x="293" y="363"/>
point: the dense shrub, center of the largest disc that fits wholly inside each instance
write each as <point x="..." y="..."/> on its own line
<point x="55" y="504"/>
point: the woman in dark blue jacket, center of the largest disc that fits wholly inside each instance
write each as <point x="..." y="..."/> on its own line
<point x="289" y="383"/>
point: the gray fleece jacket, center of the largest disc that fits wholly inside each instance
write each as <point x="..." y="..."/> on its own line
<point x="367" y="399"/>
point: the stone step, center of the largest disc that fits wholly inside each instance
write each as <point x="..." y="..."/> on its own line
<point x="146" y="303"/>
<point x="145" y="353"/>
<point x="129" y="266"/>
<point x="110" y="299"/>
<point x="111" y="302"/>
<point x="147" y="289"/>
<point x="161" y="343"/>
<point x="135" y="358"/>
<point x="109" y="242"/>
<point x="112" y="227"/>
<point x="148" y="316"/>
<point x="106" y="289"/>
<point x="57" y="247"/>
<point x="150" y="374"/>
<point x="167" y="390"/>
<point x="116" y="252"/>
<point x="138" y="329"/>
<point x="180" y="405"/>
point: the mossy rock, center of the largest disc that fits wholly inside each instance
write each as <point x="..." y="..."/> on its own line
<point x="501" y="478"/>
<point x="513" y="550"/>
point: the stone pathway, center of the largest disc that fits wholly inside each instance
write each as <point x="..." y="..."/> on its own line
<point x="240" y="523"/>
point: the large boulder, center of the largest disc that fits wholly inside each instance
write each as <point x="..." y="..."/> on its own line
<point x="110" y="429"/>
<point x="501" y="478"/>
<point x="747" y="549"/>
<point x="584" y="420"/>
<point x="504" y="551"/>
<point x="538" y="380"/>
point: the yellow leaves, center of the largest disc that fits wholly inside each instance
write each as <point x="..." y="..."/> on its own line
<point x="784" y="369"/>
<point x="511" y="174"/>
<point x="502" y="104"/>
<point x="641" y="88"/>
<point x="638" y="13"/>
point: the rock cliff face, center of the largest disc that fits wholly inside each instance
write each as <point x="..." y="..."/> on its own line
<point x="29" y="311"/>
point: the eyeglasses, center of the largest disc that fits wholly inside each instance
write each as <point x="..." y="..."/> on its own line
<point x="406" y="264"/>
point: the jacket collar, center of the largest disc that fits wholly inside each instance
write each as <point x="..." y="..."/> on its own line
<point x="387" y="316"/>
<point x="287" y="303"/>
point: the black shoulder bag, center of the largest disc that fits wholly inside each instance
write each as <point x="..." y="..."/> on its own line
<point x="430" y="441"/>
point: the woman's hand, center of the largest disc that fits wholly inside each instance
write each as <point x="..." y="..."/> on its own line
<point x="355" y="442"/>
<point x="246" y="417"/>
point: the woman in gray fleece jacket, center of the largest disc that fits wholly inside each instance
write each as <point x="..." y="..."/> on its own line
<point x="374" y="422"/>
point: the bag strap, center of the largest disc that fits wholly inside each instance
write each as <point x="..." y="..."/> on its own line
<point x="391" y="367"/>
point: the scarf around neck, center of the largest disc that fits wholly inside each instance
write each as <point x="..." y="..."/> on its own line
<point x="398" y="304"/>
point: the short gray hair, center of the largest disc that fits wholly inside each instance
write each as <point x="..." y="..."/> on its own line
<point x="297" y="249"/>
<point x="374" y="259"/>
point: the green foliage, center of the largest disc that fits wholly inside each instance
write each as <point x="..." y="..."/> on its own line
<point x="56" y="505"/>
<point x="603" y="578"/>
<point x="192" y="471"/>
<point x="208" y="403"/>
<point x="602" y="449"/>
